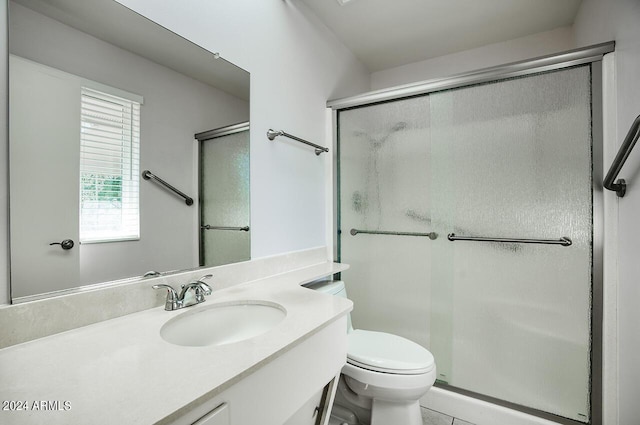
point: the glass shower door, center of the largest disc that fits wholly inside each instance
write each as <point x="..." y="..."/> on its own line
<point x="512" y="159"/>
<point x="504" y="160"/>
<point x="384" y="180"/>
<point x="224" y="200"/>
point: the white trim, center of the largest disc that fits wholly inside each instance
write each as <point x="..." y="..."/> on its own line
<point x="611" y="143"/>
<point x="330" y="162"/>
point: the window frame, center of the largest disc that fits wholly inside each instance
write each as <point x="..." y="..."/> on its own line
<point x="130" y="167"/>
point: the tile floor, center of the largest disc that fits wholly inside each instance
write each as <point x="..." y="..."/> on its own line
<point x="431" y="417"/>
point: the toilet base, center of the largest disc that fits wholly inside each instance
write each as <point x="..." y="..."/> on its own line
<point x="395" y="412"/>
<point x="375" y="411"/>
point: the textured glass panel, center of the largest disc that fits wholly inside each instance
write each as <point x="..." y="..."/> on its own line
<point x="224" y="198"/>
<point x="513" y="159"/>
<point x="384" y="177"/>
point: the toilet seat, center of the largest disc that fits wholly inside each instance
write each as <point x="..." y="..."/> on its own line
<point x="387" y="353"/>
<point x="385" y="375"/>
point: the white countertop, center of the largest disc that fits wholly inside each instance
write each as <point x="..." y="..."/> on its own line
<point x="121" y="371"/>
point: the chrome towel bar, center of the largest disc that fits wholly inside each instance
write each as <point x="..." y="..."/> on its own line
<point x="148" y="175"/>
<point x="209" y="227"/>
<point x="430" y="235"/>
<point x="272" y="134"/>
<point x="620" y="187"/>
<point x="564" y="241"/>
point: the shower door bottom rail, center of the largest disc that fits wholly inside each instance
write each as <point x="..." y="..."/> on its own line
<point x="430" y="235"/>
<point x="564" y="241"/>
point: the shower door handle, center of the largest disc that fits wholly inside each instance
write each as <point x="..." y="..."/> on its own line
<point x="65" y="244"/>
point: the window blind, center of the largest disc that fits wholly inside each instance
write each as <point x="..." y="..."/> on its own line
<point x="109" y="167"/>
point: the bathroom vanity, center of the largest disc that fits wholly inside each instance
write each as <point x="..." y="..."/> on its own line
<point x="123" y="371"/>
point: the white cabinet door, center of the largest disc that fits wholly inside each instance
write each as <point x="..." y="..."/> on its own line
<point x="218" y="416"/>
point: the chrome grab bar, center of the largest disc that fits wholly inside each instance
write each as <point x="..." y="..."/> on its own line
<point x="430" y="235"/>
<point x="209" y="227"/>
<point x="148" y="175"/>
<point x="620" y="186"/>
<point x="272" y="134"/>
<point x="564" y="241"/>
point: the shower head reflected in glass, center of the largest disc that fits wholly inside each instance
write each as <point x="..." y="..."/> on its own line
<point x="378" y="142"/>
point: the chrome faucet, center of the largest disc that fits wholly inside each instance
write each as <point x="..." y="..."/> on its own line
<point x="176" y="301"/>
<point x="199" y="288"/>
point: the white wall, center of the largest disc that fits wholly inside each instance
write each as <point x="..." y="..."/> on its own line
<point x="532" y="46"/>
<point x="296" y="64"/>
<point x="599" y="21"/>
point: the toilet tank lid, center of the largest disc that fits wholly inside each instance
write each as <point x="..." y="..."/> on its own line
<point x="331" y="287"/>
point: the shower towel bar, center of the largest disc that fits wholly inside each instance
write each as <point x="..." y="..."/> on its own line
<point x="148" y="175"/>
<point x="430" y="235"/>
<point x="272" y="134"/>
<point x="620" y="187"/>
<point x="564" y="241"/>
<point x="209" y="227"/>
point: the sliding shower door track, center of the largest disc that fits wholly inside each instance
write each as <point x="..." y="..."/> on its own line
<point x="516" y="69"/>
<point x="509" y="405"/>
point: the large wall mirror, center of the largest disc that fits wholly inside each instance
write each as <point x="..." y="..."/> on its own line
<point x="98" y="96"/>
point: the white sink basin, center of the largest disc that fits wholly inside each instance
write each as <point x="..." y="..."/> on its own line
<point x="222" y="324"/>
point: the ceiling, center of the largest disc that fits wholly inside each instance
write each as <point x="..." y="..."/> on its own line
<point x="388" y="33"/>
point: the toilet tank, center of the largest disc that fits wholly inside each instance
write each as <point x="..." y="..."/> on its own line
<point x="332" y="287"/>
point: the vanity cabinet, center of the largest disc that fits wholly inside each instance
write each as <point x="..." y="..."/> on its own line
<point x="278" y="388"/>
<point x="218" y="416"/>
<point x="279" y="377"/>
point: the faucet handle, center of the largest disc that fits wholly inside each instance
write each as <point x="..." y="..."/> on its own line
<point x="206" y="288"/>
<point x="172" y="296"/>
<point x="202" y="288"/>
<point x="201" y="285"/>
<point x="170" y="290"/>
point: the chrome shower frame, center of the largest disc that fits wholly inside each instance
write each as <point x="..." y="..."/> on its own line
<point x="589" y="55"/>
<point x="200" y="138"/>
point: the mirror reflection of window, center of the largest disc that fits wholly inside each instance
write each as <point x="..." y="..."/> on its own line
<point x="109" y="167"/>
<point x="186" y="89"/>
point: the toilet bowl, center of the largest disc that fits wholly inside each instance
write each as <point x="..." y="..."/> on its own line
<point x="385" y="374"/>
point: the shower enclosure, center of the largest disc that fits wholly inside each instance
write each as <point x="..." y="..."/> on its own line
<point x="224" y="195"/>
<point x="468" y="216"/>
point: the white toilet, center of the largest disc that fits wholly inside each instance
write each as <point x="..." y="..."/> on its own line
<point x="384" y="377"/>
